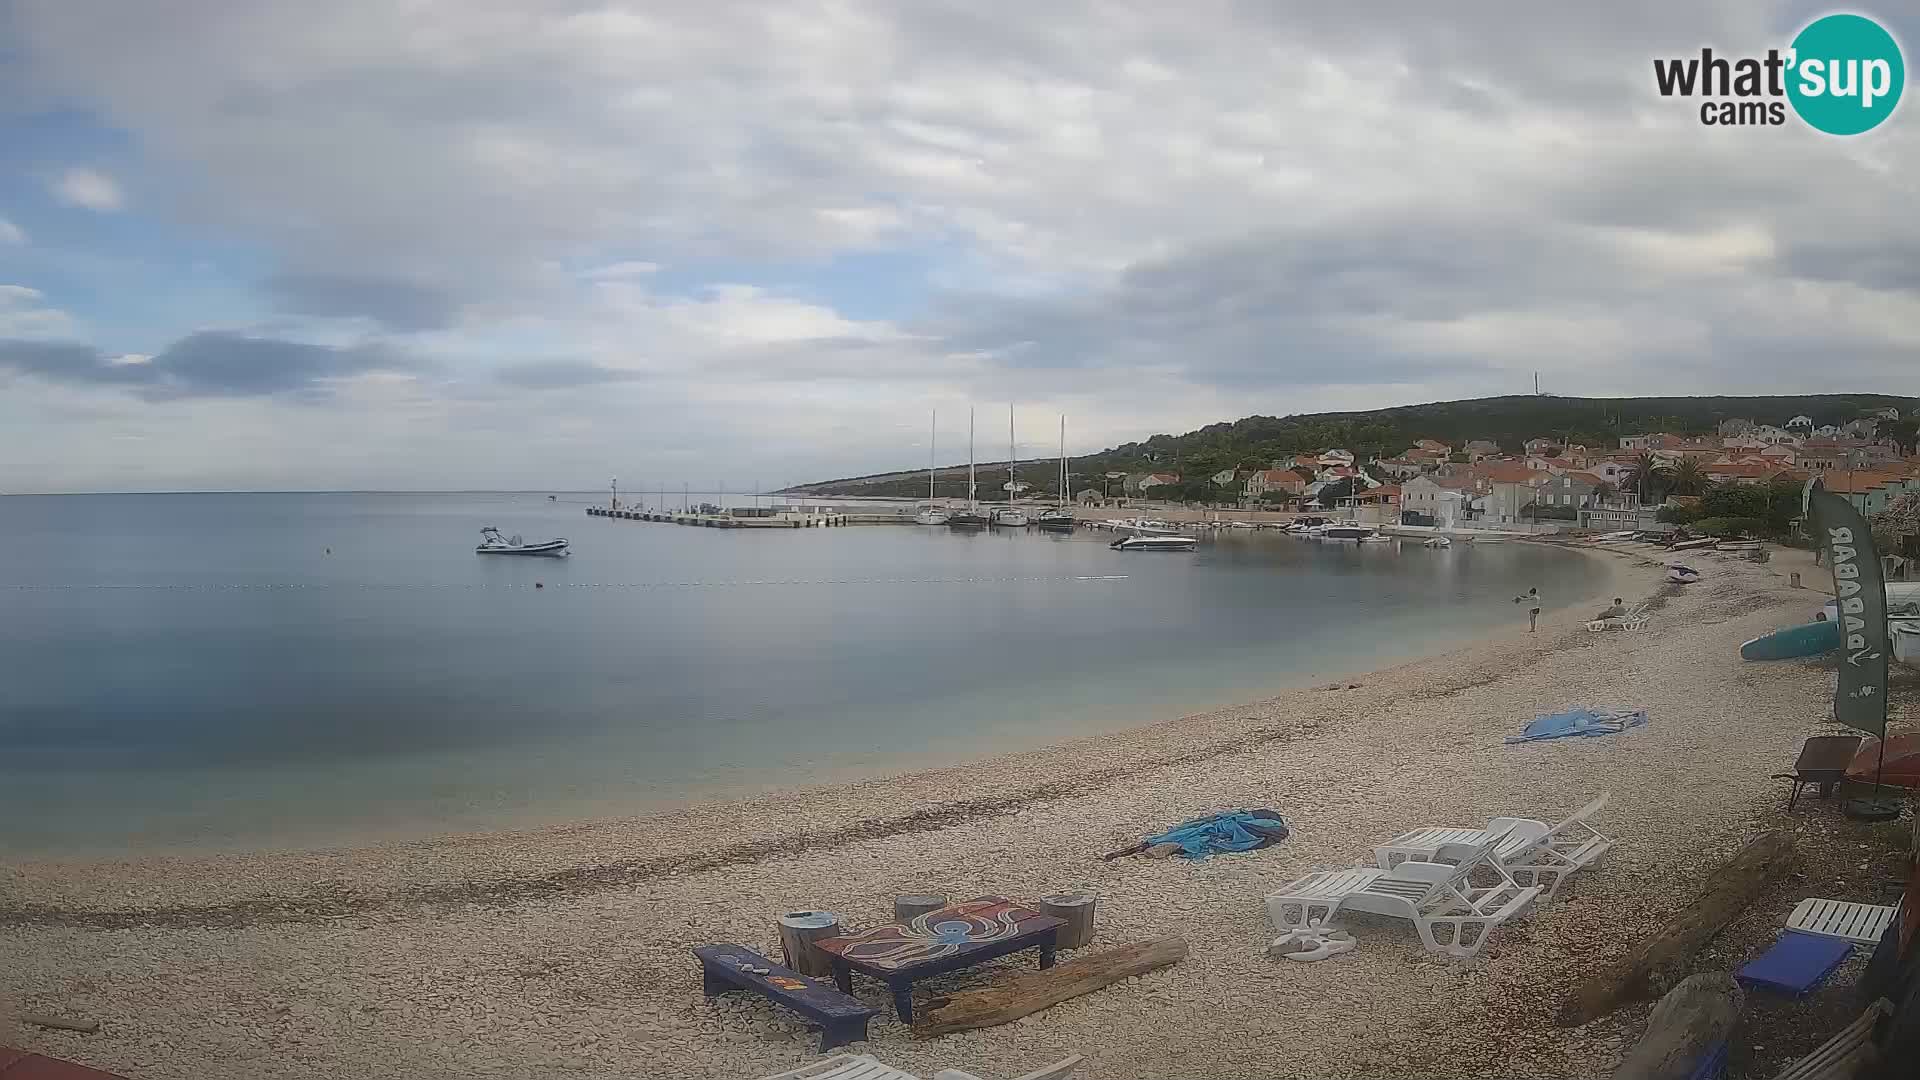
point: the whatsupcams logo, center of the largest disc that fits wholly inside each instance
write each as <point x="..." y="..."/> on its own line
<point x="1842" y="75"/>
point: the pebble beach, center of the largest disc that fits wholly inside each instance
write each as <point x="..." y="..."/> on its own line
<point x="564" y="952"/>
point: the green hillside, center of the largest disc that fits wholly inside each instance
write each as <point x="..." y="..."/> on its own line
<point x="1253" y="442"/>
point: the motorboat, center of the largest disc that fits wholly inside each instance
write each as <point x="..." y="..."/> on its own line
<point x="932" y="515"/>
<point x="1376" y="538"/>
<point x="1155" y="543"/>
<point x="966" y="519"/>
<point x="1487" y="539"/>
<point x="492" y="543"/>
<point x="1011" y="517"/>
<point x="1437" y="542"/>
<point x="1346" y="530"/>
<point x="1058" y="519"/>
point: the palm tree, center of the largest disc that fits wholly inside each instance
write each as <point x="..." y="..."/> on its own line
<point x="1644" y="477"/>
<point x="1604" y="490"/>
<point x="1688" y="478"/>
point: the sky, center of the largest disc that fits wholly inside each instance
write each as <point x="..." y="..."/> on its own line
<point x="537" y="244"/>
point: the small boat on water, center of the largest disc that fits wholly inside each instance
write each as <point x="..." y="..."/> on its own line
<point x="932" y="515"/>
<point x="1437" y="542"/>
<point x="1376" y="538"/>
<point x="1487" y="539"/>
<point x="1011" y="517"/>
<point x="1155" y="543"/>
<point x="969" y="517"/>
<point x="492" y="543"/>
<point x="1346" y="530"/>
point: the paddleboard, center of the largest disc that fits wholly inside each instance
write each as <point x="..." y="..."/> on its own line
<point x="1789" y="642"/>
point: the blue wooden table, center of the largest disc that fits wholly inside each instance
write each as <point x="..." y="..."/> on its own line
<point x="955" y="937"/>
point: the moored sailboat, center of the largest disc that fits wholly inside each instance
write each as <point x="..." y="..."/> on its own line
<point x="971" y="517"/>
<point x="1060" y="518"/>
<point x="932" y="513"/>
<point x="1010" y="516"/>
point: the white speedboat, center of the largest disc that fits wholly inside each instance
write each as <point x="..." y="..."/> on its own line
<point x="932" y="515"/>
<point x="1376" y="538"/>
<point x="492" y="543"/>
<point x="1346" y="530"/>
<point x="1437" y="542"/>
<point x="1009" y="518"/>
<point x="1155" y="543"/>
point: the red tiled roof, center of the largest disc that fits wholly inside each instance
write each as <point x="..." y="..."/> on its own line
<point x="1505" y="472"/>
<point x="1857" y="483"/>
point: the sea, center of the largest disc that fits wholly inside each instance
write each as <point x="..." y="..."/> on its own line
<point x="194" y="672"/>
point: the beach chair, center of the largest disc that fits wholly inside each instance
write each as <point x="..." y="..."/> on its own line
<point x="844" y="1067"/>
<point x="1530" y="851"/>
<point x="1636" y="618"/>
<point x="1451" y="914"/>
<point x="1055" y="1071"/>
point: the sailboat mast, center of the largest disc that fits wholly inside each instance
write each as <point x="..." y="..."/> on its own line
<point x="973" y="490"/>
<point x="1013" y="485"/>
<point x="933" y="429"/>
<point x="1066" y="484"/>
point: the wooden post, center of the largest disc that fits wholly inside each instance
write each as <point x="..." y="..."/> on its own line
<point x="1694" y="1016"/>
<point x="906" y="908"/>
<point x="1077" y="909"/>
<point x="1729" y="890"/>
<point x="798" y="931"/>
<point x="1009" y="999"/>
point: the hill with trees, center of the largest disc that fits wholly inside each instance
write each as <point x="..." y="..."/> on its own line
<point x="1254" y="442"/>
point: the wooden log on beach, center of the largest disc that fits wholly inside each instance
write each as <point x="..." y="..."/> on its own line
<point x="1077" y="910"/>
<point x="1684" y="1028"/>
<point x="60" y="1023"/>
<point x="1010" y="999"/>
<point x="798" y="931"/>
<point x="913" y="905"/>
<point x="1727" y="893"/>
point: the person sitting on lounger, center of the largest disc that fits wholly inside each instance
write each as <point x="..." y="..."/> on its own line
<point x="1617" y="611"/>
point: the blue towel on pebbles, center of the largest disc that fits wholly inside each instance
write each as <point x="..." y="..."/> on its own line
<point x="1234" y="830"/>
<point x="1796" y="963"/>
<point x="1581" y="722"/>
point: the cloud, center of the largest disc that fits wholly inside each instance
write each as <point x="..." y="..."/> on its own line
<point x="785" y="231"/>
<point x="563" y="374"/>
<point x="88" y="189"/>
<point x="25" y="313"/>
<point x="397" y="304"/>
<point x="206" y="364"/>
<point x="11" y="233"/>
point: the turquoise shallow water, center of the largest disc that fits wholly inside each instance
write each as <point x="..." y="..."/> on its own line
<point x="201" y="670"/>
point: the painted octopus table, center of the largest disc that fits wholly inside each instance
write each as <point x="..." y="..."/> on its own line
<point x="955" y="937"/>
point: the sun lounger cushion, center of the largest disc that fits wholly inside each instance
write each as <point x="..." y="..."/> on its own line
<point x="1795" y="964"/>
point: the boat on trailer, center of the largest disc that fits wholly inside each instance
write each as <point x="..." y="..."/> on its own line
<point x="492" y="543"/>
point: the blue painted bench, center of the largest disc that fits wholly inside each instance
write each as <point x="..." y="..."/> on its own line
<point x="842" y="1017"/>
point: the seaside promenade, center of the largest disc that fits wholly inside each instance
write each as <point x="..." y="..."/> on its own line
<point x="565" y="952"/>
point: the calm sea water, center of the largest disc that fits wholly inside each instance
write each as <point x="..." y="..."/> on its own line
<point x="301" y="670"/>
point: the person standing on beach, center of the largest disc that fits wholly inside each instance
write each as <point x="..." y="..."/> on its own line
<point x="1532" y="600"/>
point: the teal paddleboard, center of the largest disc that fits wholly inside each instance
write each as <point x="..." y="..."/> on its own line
<point x="1811" y="639"/>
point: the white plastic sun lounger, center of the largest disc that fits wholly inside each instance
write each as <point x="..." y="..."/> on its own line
<point x="844" y="1067"/>
<point x="1636" y="618"/>
<point x="868" y="1067"/>
<point x="1451" y="914"/>
<point x="1055" y="1071"/>
<point x="1532" y="852"/>
<point x="1862" y="924"/>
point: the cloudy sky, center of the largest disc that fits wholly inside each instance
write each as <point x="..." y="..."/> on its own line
<point x="537" y="243"/>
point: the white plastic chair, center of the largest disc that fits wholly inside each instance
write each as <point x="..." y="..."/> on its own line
<point x="1055" y="1071"/>
<point x="1530" y="851"/>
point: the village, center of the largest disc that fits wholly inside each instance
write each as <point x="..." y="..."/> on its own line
<point x="1646" y="481"/>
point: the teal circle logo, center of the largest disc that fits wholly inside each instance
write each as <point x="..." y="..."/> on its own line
<point x="1846" y="74"/>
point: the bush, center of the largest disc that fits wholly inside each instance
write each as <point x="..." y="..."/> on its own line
<point x="1730" y="526"/>
<point x="1677" y="515"/>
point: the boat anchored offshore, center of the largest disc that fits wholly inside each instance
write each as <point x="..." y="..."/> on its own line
<point x="492" y="543"/>
<point x="1155" y="543"/>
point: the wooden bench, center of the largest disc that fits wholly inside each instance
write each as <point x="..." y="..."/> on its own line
<point x="1839" y="1057"/>
<point x="842" y="1017"/>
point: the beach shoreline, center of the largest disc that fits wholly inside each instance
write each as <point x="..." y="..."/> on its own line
<point x="442" y="865"/>
<point x="564" y="952"/>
